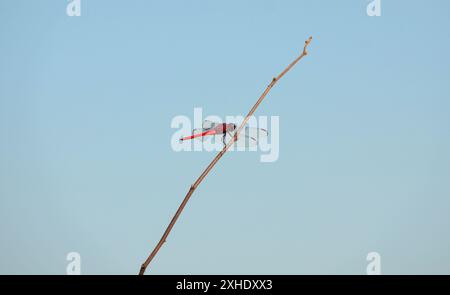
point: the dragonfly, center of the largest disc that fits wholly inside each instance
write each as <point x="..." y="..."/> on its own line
<point x="249" y="136"/>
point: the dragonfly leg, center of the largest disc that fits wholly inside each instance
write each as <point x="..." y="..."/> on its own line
<point x="223" y="138"/>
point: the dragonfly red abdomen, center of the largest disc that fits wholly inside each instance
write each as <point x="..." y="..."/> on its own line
<point x="209" y="132"/>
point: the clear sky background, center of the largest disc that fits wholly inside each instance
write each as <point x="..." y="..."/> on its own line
<point x="86" y="163"/>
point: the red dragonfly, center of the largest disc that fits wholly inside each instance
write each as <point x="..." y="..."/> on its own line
<point x="247" y="137"/>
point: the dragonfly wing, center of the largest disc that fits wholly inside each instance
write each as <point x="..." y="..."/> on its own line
<point x="246" y="141"/>
<point x="249" y="137"/>
<point x="256" y="133"/>
<point x="242" y="141"/>
<point x="207" y="124"/>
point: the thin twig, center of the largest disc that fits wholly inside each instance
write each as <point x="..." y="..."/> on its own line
<point x="217" y="158"/>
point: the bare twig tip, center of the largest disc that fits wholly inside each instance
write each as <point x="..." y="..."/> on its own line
<point x="305" y="52"/>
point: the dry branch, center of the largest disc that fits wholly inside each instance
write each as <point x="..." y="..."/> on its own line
<point x="217" y="158"/>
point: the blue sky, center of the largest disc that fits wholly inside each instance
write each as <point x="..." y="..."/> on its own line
<point x="86" y="163"/>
